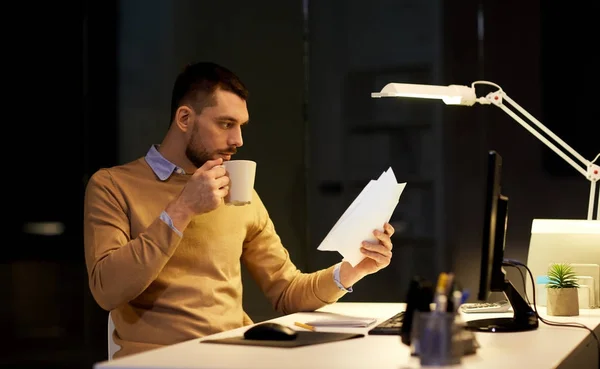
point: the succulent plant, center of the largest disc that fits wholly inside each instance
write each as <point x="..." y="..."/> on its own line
<point x="561" y="275"/>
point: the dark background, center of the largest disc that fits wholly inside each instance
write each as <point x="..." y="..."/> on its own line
<point x="89" y="86"/>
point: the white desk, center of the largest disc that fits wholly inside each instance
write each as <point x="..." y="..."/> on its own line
<point x="546" y="347"/>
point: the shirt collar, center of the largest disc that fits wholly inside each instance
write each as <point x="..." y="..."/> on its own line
<point x="161" y="166"/>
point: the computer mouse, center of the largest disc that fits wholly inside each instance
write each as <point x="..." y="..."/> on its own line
<point x="270" y="331"/>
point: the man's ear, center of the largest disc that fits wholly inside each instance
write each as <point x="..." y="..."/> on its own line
<point x="184" y="118"/>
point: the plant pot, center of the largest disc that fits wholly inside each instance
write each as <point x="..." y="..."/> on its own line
<point x="562" y="302"/>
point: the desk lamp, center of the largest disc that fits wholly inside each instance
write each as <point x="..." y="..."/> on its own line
<point x="552" y="240"/>
<point x="464" y="95"/>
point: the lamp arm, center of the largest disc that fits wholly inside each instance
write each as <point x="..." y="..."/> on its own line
<point x="497" y="97"/>
<point x="591" y="171"/>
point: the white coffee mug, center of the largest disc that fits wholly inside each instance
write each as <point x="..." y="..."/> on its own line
<point x="241" y="181"/>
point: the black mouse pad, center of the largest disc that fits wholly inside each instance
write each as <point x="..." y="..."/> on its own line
<point x="304" y="338"/>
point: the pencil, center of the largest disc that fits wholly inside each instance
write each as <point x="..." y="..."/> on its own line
<point x="305" y="326"/>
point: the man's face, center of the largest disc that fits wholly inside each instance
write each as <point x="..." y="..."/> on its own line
<point x="217" y="130"/>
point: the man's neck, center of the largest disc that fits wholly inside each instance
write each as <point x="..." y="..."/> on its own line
<point x="173" y="149"/>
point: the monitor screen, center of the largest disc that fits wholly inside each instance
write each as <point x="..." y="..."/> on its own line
<point x="495" y="221"/>
<point x="492" y="277"/>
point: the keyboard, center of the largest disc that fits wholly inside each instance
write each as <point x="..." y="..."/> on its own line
<point x="391" y="326"/>
<point x="486" y="307"/>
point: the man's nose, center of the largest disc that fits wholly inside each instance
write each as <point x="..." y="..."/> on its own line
<point x="235" y="137"/>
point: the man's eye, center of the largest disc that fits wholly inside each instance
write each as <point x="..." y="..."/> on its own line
<point x="226" y="125"/>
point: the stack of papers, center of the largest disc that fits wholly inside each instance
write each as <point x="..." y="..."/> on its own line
<point x="372" y="208"/>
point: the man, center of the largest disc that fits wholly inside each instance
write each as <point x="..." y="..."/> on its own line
<point x="162" y="250"/>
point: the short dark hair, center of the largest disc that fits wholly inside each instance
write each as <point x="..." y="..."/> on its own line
<point x="196" y="84"/>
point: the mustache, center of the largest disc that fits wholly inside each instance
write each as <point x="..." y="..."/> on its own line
<point x="231" y="151"/>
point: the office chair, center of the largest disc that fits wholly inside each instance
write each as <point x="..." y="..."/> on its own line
<point x="112" y="346"/>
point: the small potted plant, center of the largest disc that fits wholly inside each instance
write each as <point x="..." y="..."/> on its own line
<point x="563" y="299"/>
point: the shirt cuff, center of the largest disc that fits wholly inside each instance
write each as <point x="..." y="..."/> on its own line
<point x="167" y="219"/>
<point x="336" y="279"/>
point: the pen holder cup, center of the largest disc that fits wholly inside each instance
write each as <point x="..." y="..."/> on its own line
<point x="436" y="338"/>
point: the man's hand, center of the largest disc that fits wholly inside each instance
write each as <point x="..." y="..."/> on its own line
<point x="206" y="189"/>
<point x="378" y="256"/>
<point x="203" y="192"/>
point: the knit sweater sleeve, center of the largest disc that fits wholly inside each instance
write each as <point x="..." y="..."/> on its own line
<point x="120" y="268"/>
<point x="287" y="288"/>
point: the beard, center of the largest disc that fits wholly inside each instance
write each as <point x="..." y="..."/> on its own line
<point x="198" y="154"/>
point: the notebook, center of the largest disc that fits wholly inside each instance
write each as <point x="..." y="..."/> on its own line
<point x="338" y="320"/>
<point x="354" y="322"/>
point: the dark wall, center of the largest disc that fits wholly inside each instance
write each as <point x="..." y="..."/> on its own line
<point x="64" y="124"/>
<point x="569" y="76"/>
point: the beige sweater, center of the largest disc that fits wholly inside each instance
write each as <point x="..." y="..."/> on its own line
<point x="162" y="288"/>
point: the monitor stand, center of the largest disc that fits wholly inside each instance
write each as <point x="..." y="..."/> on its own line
<point x="524" y="318"/>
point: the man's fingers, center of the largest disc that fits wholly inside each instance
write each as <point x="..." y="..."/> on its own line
<point x="212" y="169"/>
<point x="389" y="230"/>
<point x="377" y="248"/>
<point x="384" y="238"/>
<point x="222" y="182"/>
<point x="209" y="164"/>
<point x="379" y="258"/>
<point x="219" y="171"/>
<point x="222" y="192"/>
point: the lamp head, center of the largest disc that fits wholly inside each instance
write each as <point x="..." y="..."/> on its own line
<point x="451" y="95"/>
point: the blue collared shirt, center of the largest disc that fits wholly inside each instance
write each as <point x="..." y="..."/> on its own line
<point x="161" y="166"/>
<point x="163" y="170"/>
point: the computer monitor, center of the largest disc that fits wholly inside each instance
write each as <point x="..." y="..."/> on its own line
<point x="492" y="277"/>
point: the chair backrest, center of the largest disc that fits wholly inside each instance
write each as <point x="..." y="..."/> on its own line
<point x="112" y="346"/>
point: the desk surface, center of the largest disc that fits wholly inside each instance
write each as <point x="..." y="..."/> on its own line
<point x="546" y="347"/>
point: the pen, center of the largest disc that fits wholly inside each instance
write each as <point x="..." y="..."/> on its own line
<point x="305" y="326"/>
<point x="457" y="298"/>
<point x="441" y="283"/>
<point x="440" y="290"/>
<point x="465" y="296"/>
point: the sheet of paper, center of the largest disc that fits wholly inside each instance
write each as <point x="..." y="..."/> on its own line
<point x="372" y="208"/>
<point x="325" y="246"/>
